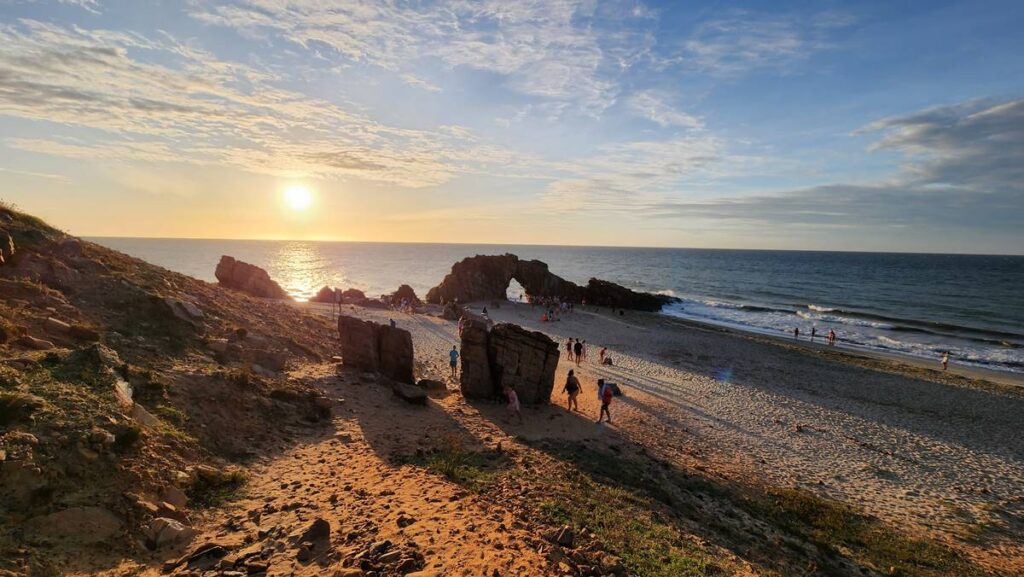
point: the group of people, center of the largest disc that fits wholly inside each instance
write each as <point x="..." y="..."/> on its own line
<point x="830" y="340"/>
<point x="573" y="388"/>
<point x="576" y="350"/>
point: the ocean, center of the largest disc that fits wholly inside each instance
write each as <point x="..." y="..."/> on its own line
<point x="911" y="304"/>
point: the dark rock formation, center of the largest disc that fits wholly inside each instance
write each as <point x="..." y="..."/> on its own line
<point x="325" y="295"/>
<point x="248" y="278"/>
<point x="410" y="393"/>
<point x="369" y="346"/>
<point x="405" y="293"/>
<point x="508" y="354"/>
<point x="353" y="296"/>
<point x="486" y="278"/>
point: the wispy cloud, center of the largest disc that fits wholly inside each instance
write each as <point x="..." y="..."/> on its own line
<point x="546" y="49"/>
<point x="739" y="42"/>
<point x="963" y="169"/>
<point x="651" y="105"/>
<point x="195" y="108"/>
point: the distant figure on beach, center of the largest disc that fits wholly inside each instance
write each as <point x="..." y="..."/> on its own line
<point x="572" y="388"/>
<point x="796" y="332"/>
<point x="453" y="356"/>
<point x="513" y="403"/>
<point x="584" y="343"/>
<point x="568" y="349"/>
<point x="578" y="349"/>
<point x="831" y="337"/>
<point x="605" y="393"/>
<point x="392" y="323"/>
<point x="484" y="312"/>
<point x="945" y="360"/>
<point x="604" y="351"/>
<point x="814" y="331"/>
<point x="462" y="324"/>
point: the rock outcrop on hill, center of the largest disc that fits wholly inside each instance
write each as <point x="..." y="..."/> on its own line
<point x="507" y="354"/>
<point x="247" y="278"/>
<point x="368" y="346"/>
<point x="324" y="295"/>
<point x="485" y="278"/>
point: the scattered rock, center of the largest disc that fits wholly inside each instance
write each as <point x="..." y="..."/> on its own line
<point x="166" y="532"/>
<point x="56" y="327"/>
<point x="432" y="385"/>
<point x="325" y="295"/>
<point x="34" y="343"/>
<point x="410" y="393"/>
<point x="564" y="537"/>
<point x="405" y="520"/>
<point x="405" y="293"/>
<point x="319" y="531"/>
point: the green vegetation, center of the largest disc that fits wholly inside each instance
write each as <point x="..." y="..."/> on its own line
<point x="171" y="414"/>
<point x="473" y="470"/>
<point x="840" y="530"/>
<point x="212" y="488"/>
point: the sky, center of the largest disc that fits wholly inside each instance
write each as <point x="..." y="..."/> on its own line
<point x="889" y="126"/>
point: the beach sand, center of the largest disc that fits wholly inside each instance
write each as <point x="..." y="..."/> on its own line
<point x="930" y="452"/>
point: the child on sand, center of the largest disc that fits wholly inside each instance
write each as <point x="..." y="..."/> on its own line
<point x="572" y="388"/>
<point x="945" y="360"/>
<point x="513" y="403"/>
<point x="606" y="401"/>
<point x="453" y="356"/>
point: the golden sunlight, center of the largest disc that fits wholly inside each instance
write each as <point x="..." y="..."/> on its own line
<point x="298" y="197"/>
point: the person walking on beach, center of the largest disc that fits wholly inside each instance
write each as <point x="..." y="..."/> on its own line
<point x="945" y="360"/>
<point x="831" y="337"/>
<point x="584" y="349"/>
<point x="604" y="351"/>
<point x="513" y="403"/>
<point x="392" y="323"/>
<point x="606" y="401"/>
<point x="796" y="333"/>
<point x="453" y="356"/>
<point x="572" y="388"/>
<point x="814" y="331"/>
<point x="568" y="349"/>
<point x="578" y="349"/>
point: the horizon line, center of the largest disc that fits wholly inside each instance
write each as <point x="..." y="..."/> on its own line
<point x="186" y="238"/>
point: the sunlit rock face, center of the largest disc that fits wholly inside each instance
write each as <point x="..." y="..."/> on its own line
<point x="485" y="278"/>
<point x="368" y="346"/>
<point x="507" y="355"/>
<point x="247" y="278"/>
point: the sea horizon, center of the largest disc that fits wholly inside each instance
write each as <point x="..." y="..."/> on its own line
<point x="914" y="304"/>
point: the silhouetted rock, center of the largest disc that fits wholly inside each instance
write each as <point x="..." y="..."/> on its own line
<point x="369" y="346"/>
<point x="507" y="354"/>
<point x="325" y="295"/>
<point x="410" y="393"/>
<point x="247" y="278"/>
<point x="405" y="293"/>
<point x="486" y="278"/>
<point x="353" y="296"/>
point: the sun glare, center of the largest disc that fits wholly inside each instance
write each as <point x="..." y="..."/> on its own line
<point x="298" y="197"/>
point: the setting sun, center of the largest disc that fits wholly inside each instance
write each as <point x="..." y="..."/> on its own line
<point x="298" y="197"/>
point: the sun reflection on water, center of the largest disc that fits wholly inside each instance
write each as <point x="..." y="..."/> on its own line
<point x="302" y="269"/>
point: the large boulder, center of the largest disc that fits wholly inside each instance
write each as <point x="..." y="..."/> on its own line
<point x="368" y="346"/>
<point x="359" y="343"/>
<point x="524" y="359"/>
<point x="396" y="354"/>
<point x="507" y="354"/>
<point x="475" y="380"/>
<point x="353" y="296"/>
<point x="486" y="278"/>
<point x="247" y="278"/>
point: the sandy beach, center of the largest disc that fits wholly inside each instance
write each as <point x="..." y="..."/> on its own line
<point x="931" y="452"/>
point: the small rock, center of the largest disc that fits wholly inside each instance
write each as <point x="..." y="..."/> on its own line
<point x="432" y="385"/>
<point x="319" y="531"/>
<point x="165" y="532"/>
<point x="57" y="327"/>
<point x="405" y="520"/>
<point x="410" y="393"/>
<point x="175" y="496"/>
<point x="34" y="343"/>
<point x="85" y="525"/>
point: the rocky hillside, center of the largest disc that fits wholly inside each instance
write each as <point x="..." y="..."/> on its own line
<point x="128" y="395"/>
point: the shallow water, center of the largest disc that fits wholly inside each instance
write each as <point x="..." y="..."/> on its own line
<point x="913" y="304"/>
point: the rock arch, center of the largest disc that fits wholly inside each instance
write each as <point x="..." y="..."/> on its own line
<point x="487" y="277"/>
